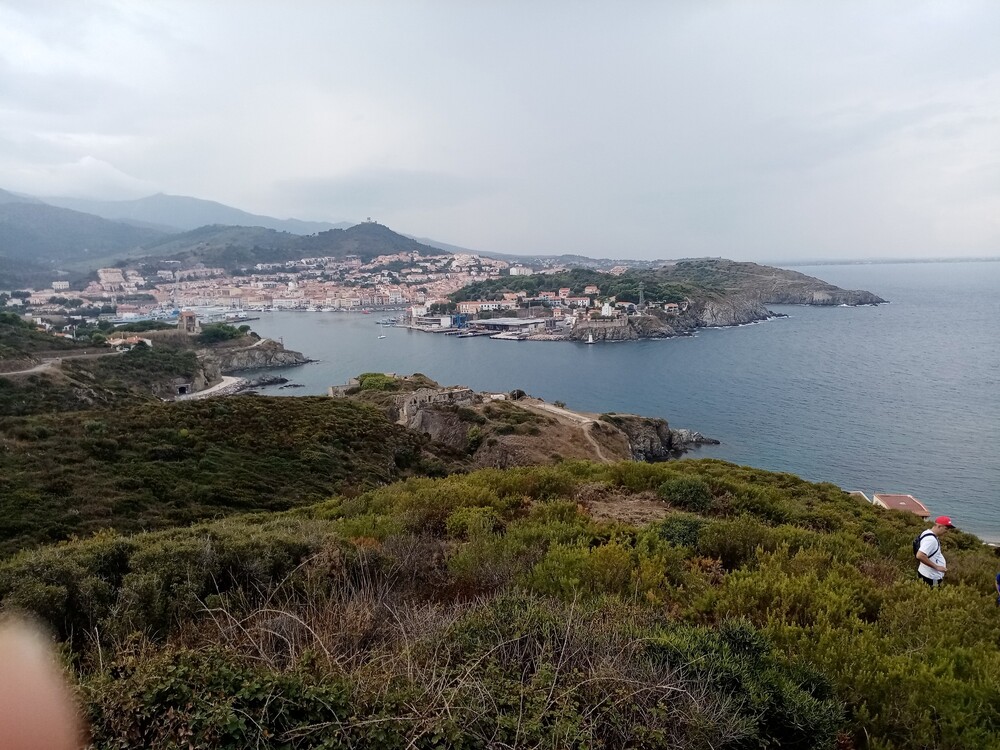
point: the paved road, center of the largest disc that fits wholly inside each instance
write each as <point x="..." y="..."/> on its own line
<point x="228" y="385"/>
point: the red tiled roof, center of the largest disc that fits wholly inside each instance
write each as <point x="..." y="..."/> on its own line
<point x="902" y="502"/>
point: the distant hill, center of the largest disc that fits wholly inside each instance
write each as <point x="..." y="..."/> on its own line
<point x="184" y="213"/>
<point x="452" y="249"/>
<point x="570" y="261"/>
<point x="38" y="237"/>
<point x="8" y="197"/>
<point x="708" y="278"/>
<point x="238" y="247"/>
<point x="39" y="233"/>
<point x="224" y="246"/>
<point x="19" y="273"/>
<point x="367" y="241"/>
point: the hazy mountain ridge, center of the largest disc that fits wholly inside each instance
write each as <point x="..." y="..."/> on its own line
<point x="8" y="197"/>
<point x="37" y="239"/>
<point x="239" y="247"/>
<point x="183" y="213"/>
<point x="41" y="233"/>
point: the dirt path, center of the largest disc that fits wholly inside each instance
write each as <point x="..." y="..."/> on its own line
<point x="48" y="363"/>
<point x="583" y="422"/>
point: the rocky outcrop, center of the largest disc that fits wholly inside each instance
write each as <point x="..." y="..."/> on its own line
<point x="440" y="425"/>
<point x="264" y="353"/>
<point x="683" y="440"/>
<point x="732" y="310"/>
<point x="623" y="329"/>
<point x="831" y="296"/>
<point x="651" y="440"/>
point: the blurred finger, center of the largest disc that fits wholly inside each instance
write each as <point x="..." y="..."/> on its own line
<point x="36" y="708"/>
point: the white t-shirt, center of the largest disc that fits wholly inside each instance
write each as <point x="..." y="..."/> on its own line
<point x="929" y="544"/>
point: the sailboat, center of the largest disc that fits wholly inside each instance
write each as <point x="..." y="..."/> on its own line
<point x="590" y="338"/>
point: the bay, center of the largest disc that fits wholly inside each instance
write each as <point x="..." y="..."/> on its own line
<point x="903" y="397"/>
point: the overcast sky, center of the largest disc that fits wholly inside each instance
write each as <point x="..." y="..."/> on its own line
<point x="749" y="130"/>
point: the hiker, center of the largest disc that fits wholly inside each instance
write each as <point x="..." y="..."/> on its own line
<point x="932" y="565"/>
<point x="998" y="589"/>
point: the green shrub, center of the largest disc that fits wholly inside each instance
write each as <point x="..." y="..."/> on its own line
<point x="791" y="706"/>
<point x="734" y="541"/>
<point x="213" y="333"/>
<point x="679" y="528"/>
<point x="687" y="493"/>
<point x="376" y="381"/>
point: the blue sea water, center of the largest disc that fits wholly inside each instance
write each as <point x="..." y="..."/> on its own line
<point x="903" y="397"/>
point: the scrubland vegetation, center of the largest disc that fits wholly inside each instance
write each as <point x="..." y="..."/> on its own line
<point x="19" y="340"/>
<point x="156" y="465"/>
<point x="490" y="610"/>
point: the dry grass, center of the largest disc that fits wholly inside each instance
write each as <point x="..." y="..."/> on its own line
<point x="495" y="660"/>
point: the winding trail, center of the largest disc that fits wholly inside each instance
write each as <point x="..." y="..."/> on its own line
<point x="48" y="363"/>
<point x="584" y="422"/>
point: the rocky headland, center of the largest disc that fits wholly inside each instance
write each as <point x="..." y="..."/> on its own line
<point x="513" y="429"/>
<point x="652" y="440"/>
<point x="261" y="354"/>
<point x="680" y="297"/>
<point x="732" y="310"/>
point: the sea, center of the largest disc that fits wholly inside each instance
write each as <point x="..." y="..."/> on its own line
<point x="902" y="397"/>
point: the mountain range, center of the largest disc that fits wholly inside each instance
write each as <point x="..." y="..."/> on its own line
<point x="173" y="213"/>
<point x="41" y="238"/>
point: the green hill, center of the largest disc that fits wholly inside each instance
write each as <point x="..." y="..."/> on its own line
<point x="157" y="465"/>
<point x="240" y="247"/>
<point x="684" y="279"/>
<point x="43" y="234"/>
<point x="21" y="340"/>
<point x="495" y="610"/>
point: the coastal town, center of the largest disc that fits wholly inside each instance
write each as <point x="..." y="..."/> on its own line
<point x="405" y="288"/>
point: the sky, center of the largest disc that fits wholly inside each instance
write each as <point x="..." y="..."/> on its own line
<point x="768" y="131"/>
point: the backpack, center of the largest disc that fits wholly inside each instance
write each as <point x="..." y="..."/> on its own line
<point x="919" y="538"/>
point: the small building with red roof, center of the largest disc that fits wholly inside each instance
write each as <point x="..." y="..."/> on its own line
<point x="901" y="502"/>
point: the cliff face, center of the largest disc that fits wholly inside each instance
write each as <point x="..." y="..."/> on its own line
<point x="260" y="355"/>
<point x="635" y="327"/>
<point x="832" y="296"/>
<point x="440" y="425"/>
<point x="732" y="310"/>
<point x="649" y="439"/>
<point x="652" y="440"/>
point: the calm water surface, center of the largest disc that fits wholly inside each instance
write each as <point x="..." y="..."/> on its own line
<point x="902" y="397"/>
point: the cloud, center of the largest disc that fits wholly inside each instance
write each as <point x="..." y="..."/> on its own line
<point x="834" y="128"/>
<point x="84" y="178"/>
<point x="376" y="193"/>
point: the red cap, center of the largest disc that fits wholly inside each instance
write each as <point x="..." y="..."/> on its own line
<point x="944" y="521"/>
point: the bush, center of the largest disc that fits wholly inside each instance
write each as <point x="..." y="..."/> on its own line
<point x="687" y="493"/>
<point x="214" y="333"/>
<point x="374" y="381"/>
<point x="679" y="529"/>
